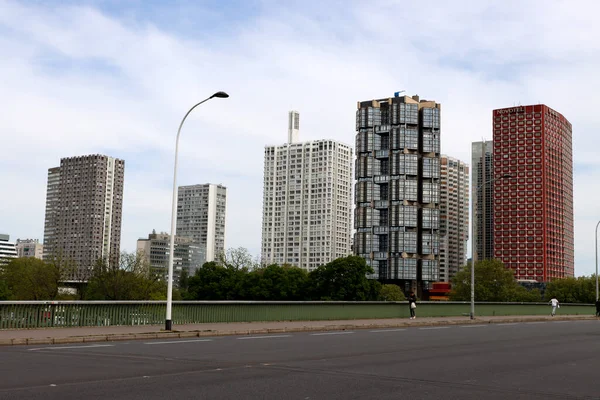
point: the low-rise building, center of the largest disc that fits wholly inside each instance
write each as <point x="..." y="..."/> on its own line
<point x="30" y="248"/>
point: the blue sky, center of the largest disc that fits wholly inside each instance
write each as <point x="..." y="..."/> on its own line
<point x="116" y="77"/>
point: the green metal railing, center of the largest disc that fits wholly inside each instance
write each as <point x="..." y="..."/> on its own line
<point x="38" y="314"/>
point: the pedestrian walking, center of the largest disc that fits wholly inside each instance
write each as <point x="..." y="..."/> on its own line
<point x="554" y="303"/>
<point x="598" y="308"/>
<point x="412" y="304"/>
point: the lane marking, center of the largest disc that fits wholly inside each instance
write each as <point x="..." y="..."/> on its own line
<point x="330" y="333"/>
<point x="181" y="341"/>
<point x="508" y="324"/>
<point x="388" y="330"/>
<point x="536" y="322"/>
<point x="560" y="322"/>
<point x="434" y="327"/>
<point x="263" y="337"/>
<point x="71" y="347"/>
<point x="472" y="326"/>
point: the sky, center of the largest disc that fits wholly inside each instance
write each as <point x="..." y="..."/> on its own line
<point x="116" y="77"/>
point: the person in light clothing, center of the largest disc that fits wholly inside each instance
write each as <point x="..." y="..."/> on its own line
<point x="554" y="303"/>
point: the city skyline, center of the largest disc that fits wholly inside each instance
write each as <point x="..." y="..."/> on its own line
<point x="125" y="97"/>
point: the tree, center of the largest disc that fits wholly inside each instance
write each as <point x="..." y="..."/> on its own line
<point x="29" y="278"/>
<point x="5" y="293"/>
<point x="275" y="282"/>
<point x="573" y="290"/>
<point x="391" y="292"/>
<point x="213" y="281"/>
<point x="238" y="258"/>
<point x="130" y="280"/>
<point x="493" y="282"/>
<point x="343" y="279"/>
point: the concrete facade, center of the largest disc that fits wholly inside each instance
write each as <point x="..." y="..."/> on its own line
<point x="8" y="251"/>
<point x="307" y="201"/>
<point x="201" y="215"/>
<point x="30" y="248"/>
<point x="482" y="191"/>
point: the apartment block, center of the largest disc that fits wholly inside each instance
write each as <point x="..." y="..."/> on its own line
<point x="397" y="191"/>
<point x="84" y="204"/>
<point x="30" y="248"/>
<point x="307" y="201"/>
<point x="533" y="211"/>
<point x="188" y="256"/>
<point x="482" y="161"/>
<point x="8" y="250"/>
<point x="201" y="212"/>
<point x="454" y="216"/>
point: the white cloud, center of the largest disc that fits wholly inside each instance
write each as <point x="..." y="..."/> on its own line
<point x="77" y="80"/>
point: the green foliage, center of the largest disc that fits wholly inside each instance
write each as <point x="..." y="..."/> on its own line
<point x="29" y="278"/>
<point x="215" y="282"/>
<point x="275" y="283"/>
<point x="130" y="280"/>
<point x="343" y="279"/>
<point x="391" y="292"/>
<point x="5" y="293"/>
<point x="493" y="282"/>
<point x="573" y="290"/>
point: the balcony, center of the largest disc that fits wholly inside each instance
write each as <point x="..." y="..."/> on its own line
<point x="381" y="179"/>
<point x="380" y="230"/>
<point x="381" y="204"/>
<point x="382" y="153"/>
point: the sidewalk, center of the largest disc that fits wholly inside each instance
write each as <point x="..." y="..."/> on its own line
<point x="114" y="333"/>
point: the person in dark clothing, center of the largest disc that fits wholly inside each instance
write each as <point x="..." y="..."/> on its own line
<point x="597" y="308"/>
<point x="412" y="304"/>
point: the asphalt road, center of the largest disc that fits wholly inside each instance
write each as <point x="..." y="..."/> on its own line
<point x="542" y="360"/>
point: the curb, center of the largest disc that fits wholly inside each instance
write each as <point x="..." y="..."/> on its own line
<point x="264" y="331"/>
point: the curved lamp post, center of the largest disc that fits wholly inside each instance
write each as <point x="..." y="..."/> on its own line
<point x="508" y="176"/>
<point x="168" y="321"/>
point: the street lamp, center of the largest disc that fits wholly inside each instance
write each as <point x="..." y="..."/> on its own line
<point x="597" y="259"/>
<point x="507" y="176"/>
<point x="168" y="321"/>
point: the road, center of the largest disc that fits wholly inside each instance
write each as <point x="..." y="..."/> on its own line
<point x="535" y="360"/>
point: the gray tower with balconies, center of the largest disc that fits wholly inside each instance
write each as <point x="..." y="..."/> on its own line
<point x="397" y="189"/>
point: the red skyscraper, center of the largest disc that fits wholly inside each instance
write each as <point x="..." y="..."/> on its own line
<point x="533" y="210"/>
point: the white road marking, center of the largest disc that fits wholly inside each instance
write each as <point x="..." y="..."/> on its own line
<point x="435" y="327"/>
<point x="472" y="326"/>
<point x="181" y="341"/>
<point x="535" y="322"/>
<point x="263" y="337"/>
<point x="330" y="333"/>
<point x="508" y="324"/>
<point x="388" y="330"/>
<point x="72" y="347"/>
<point x="560" y="322"/>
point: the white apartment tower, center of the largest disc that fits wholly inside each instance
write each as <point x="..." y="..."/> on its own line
<point x="307" y="201"/>
<point x="454" y="216"/>
<point x="8" y="251"/>
<point x="201" y="213"/>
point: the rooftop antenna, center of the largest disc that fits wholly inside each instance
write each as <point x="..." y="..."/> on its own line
<point x="397" y="94"/>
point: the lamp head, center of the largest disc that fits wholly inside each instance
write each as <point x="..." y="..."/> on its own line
<point x="221" y="95"/>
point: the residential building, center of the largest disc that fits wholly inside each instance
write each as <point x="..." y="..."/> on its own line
<point x="201" y="211"/>
<point x="307" y="201"/>
<point x="188" y="255"/>
<point x="30" y="248"/>
<point x="533" y="211"/>
<point x="397" y="190"/>
<point x="454" y="216"/>
<point x="8" y="250"/>
<point x="84" y="203"/>
<point x="482" y="161"/>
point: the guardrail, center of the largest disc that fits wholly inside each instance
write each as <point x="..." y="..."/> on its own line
<point x="37" y="314"/>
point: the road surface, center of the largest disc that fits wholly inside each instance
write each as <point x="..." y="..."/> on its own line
<point x="535" y="360"/>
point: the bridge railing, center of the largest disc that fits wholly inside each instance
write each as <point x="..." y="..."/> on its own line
<point x="37" y="314"/>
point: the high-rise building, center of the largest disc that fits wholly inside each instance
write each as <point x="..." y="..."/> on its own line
<point x="30" y="248"/>
<point x="454" y="216"/>
<point x="201" y="213"/>
<point x="8" y="250"/>
<point x="482" y="190"/>
<point x="84" y="202"/>
<point x="188" y="255"/>
<point x="397" y="190"/>
<point x="307" y="201"/>
<point x="533" y="211"/>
